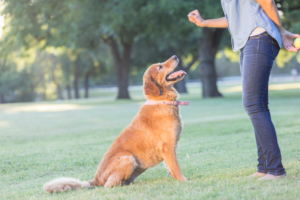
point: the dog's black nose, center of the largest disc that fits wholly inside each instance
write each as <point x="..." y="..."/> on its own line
<point x="175" y="57"/>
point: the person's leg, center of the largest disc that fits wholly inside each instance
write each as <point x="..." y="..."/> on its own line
<point x="266" y="102"/>
<point x="261" y="167"/>
<point x="258" y="56"/>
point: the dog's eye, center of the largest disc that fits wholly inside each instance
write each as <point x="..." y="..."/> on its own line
<point x="159" y="67"/>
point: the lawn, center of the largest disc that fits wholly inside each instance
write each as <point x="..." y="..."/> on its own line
<point x="216" y="152"/>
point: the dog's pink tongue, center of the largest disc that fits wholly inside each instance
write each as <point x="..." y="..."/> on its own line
<point x="177" y="74"/>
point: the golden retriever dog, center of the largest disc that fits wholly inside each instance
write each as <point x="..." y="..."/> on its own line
<point x="151" y="137"/>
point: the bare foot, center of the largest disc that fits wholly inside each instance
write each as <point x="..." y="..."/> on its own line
<point x="257" y="174"/>
<point x="271" y="177"/>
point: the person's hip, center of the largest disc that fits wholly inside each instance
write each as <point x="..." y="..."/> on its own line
<point x="262" y="43"/>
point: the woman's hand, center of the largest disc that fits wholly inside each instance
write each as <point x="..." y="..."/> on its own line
<point x="287" y="40"/>
<point x="270" y="8"/>
<point x="196" y="18"/>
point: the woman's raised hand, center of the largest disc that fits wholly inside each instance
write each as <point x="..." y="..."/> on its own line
<point x="196" y="18"/>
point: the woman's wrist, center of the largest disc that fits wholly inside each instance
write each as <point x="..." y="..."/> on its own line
<point x="201" y="23"/>
<point x="281" y="30"/>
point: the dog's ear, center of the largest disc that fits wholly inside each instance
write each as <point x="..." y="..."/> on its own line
<point x="151" y="87"/>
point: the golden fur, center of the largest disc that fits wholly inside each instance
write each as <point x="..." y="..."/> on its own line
<point x="151" y="138"/>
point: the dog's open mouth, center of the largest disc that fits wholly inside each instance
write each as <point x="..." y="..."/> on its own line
<point x="173" y="76"/>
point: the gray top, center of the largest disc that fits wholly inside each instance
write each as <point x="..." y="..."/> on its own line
<point x="243" y="16"/>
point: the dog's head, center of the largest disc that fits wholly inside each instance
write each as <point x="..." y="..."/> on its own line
<point x="159" y="79"/>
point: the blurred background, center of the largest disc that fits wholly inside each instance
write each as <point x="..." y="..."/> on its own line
<point x="72" y="49"/>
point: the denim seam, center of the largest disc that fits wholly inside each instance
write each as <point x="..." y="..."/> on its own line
<point x="258" y="36"/>
<point x="265" y="170"/>
<point x="254" y="63"/>
<point x="270" y="41"/>
<point x="252" y="86"/>
<point x="262" y="171"/>
<point x="265" y="132"/>
<point x="276" y="173"/>
<point x="241" y="62"/>
<point x="272" y="50"/>
<point x="264" y="129"/>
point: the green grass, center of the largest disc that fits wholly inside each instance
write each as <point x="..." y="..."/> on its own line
<point x="216" y="152"/>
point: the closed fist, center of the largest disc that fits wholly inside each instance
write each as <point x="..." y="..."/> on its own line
<point x="195" y="18"/>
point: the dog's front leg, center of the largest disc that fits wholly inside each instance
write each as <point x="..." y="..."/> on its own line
<point x="169" y="155"/>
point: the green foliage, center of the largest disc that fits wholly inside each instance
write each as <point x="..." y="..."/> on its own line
<point x="231" y="56"/>
<point x="283" y="57"/>
<point x="16" y="84"/>
<point x="69" y="29"/>
<point x="291" y="14"/>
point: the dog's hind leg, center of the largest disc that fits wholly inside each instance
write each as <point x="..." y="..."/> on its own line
<point x="134" y="175"/>
<point x="122" y="170"/>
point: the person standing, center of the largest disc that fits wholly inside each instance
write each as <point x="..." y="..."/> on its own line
<point x="256" y="31"/>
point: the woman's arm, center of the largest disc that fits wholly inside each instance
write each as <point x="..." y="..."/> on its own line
<point x="196" y="18"/>
<point x="287" y="37"/>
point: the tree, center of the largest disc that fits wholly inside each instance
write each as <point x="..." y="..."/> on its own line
<point x="152" y="33"/>
<point x="79" y="25"/>
<point x="291" y="15"/>
<point x="290" y="11"/>
<point x="208" y="46"/>
<point x="171" y="29"/>
<point x="2" y="83"/>
<point x="49" y="23"/>
<point x="158" y="21"/>
<point x="172" y="40"/>
<point x="120" y="34"/>
<point x="18" y="84"/>
<point x="65" y="64"/>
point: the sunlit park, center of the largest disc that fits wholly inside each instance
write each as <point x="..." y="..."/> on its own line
<point x="71" y="79"/>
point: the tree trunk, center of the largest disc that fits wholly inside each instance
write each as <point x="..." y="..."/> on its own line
<point x="2" y="70"/>
<point x="58" y="87"/>
<point x="76" y="89"/>
<point x="1" y="98"/>
<point x="68" y="88"/>
<point x="59" y="91"/>
<point x="86" y="82"/>
<point x="180" y="85"/>
<point x="208" y="47"/>
<point x="208" y="78"/>
<point x="123" y="76"/>
<point x="122" y="66"/>
<point x="76" y="77"/>
<point x="44" y="95"/>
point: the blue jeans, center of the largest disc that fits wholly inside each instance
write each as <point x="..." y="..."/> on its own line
<point x="256" y="60"/>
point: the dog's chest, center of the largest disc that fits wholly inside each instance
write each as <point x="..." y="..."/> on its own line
<point x="174" y="125"/>
<point x="177" y="127"/>
<point x="162" y="121"/>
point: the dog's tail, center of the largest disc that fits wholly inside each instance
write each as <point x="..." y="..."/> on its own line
<point x="64" y="184"/>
